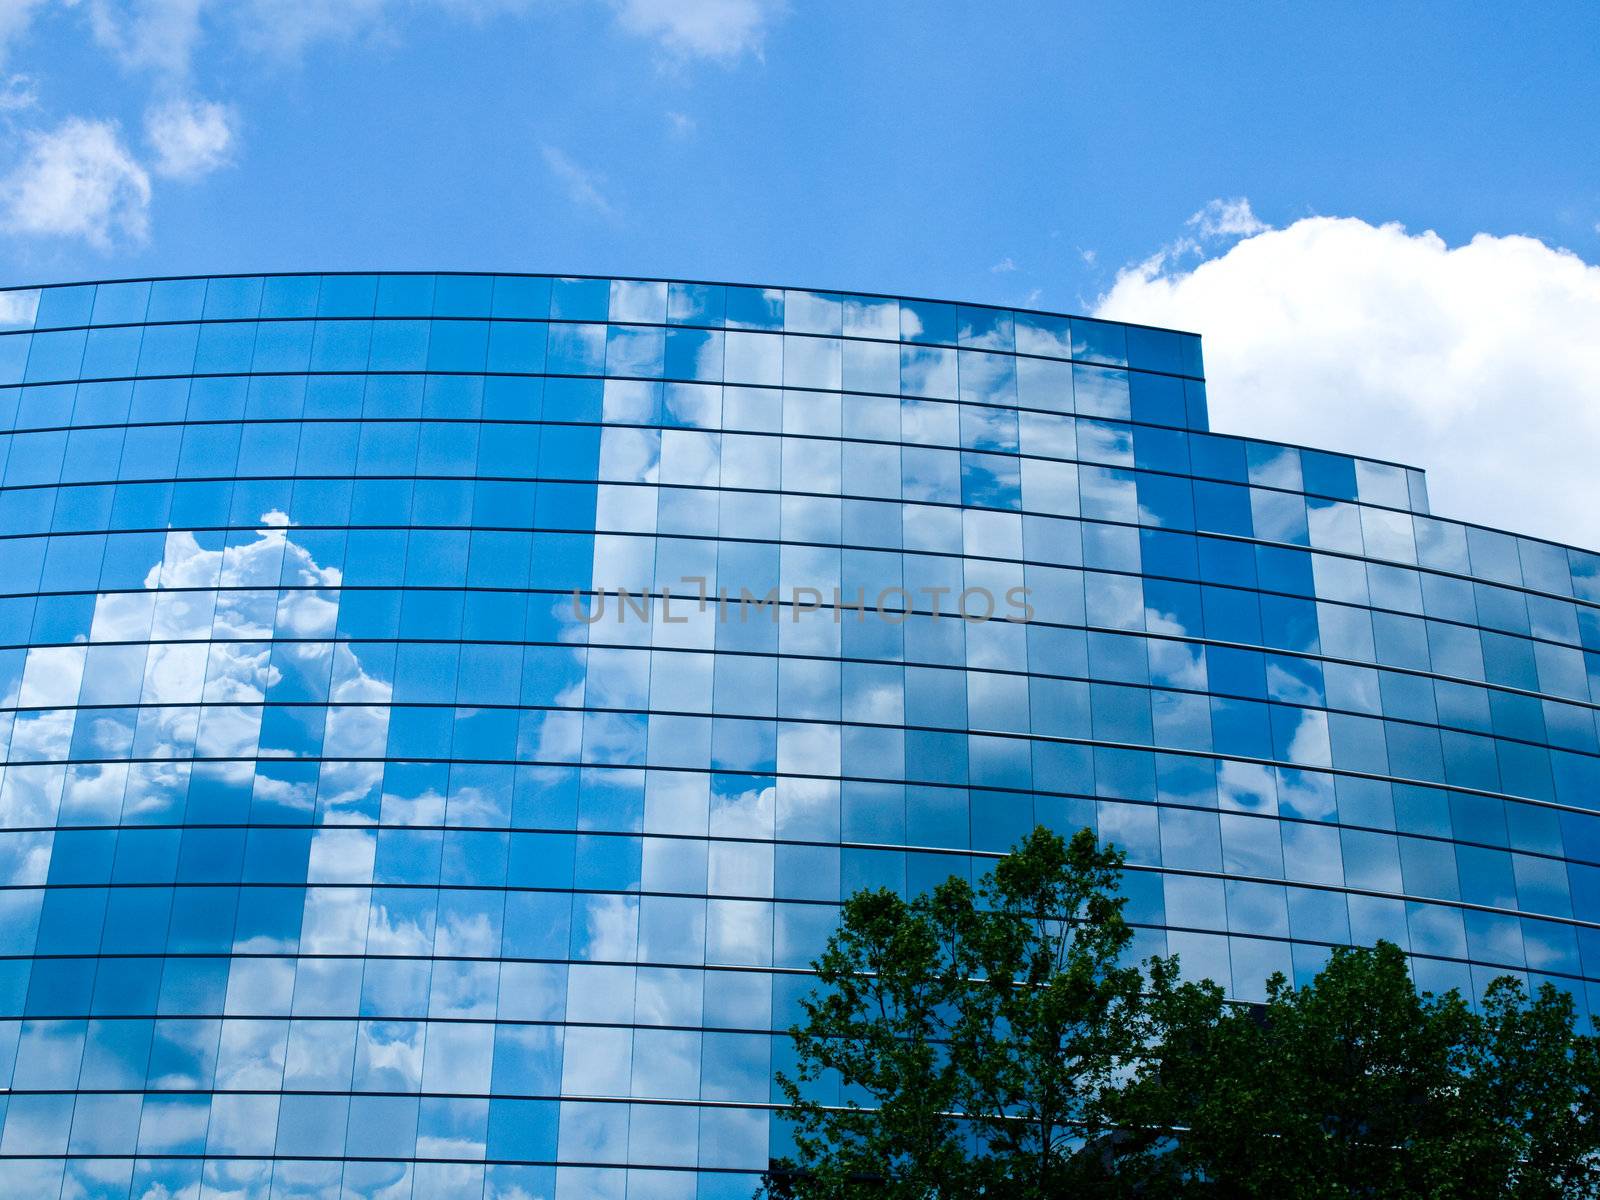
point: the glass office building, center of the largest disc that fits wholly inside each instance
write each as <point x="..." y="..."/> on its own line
<point x="345" y="854"/>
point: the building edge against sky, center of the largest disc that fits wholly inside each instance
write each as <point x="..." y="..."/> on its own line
<point x="344" y="855"/>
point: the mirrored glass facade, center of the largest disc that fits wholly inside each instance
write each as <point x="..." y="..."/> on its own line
<point x="344" y="854"/>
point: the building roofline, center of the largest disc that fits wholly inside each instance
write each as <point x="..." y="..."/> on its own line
<point x="826" y="291"/>
<point x="1042" y="312"/>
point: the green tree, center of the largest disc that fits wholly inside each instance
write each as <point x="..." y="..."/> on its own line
<point x="880" y="1023"/>
<point x="1533" y="1094"/>
<point x="1337" y="1089"/>
<point x="995" y="1041"/>
<point x="1010" y="1004"/>
<point x="1357" y="1086"/>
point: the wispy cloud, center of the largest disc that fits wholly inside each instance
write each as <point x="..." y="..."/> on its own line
<point x="77" y="180"/>
<point x="717" y="29"/>
<point x="286" y="28"/>
<point x="680" y="125"/>
<point x="1219" y="221"/>
<point x="1227" y="218"/>
<point x="1004" y="266"/>
<point x="157" y="35"/>
<point x="15" y="17"/>
<point x="18" y="93"/>
<point x="164" y="35"/>
<point x="582" y="186"/>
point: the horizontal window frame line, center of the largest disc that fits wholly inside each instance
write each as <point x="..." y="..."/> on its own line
<point x="504" y="890"/>
<point x="779" y="389"/>
<point x="842" y="778"/>
<point x="781" y="435"/>
<point x="626" y="1164"/>
<point x="602" y="424"/>
<point x="738" y="539"/>
<point x="555" y="276"/>
<point x="839" y="722"/>
<point x="569" y="1097"/>
<point x="560" y="1023"/>
<point x="515" y="1023"/>
<point x="775" y="841"/>
<point x="608" y="324"/>
<point x="703" y="969"/>
<point x="1186" y="639"/>
<point x="795" y="656"/>
<point x="346" y="956"/>
<point x="781" y="656"/>
<point x="633" y="1024"/>
<point x="841" y="547"/>
<point x="1009" y="736"/>
<point x="1467" y="960"/>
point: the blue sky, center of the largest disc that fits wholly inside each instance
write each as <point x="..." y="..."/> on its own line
<point x="1070" y="157"/>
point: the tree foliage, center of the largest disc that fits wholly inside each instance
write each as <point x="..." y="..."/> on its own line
<point x="996" y="1041"/>
<point x="1008" y="1004"/>
<point x="1343" y="1088"/>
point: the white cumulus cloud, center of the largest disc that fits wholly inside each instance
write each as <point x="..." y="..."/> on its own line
<point x="723" y="29"/>
<point x="1479" y="363"/>
<point x="190" y="137"/>
<point x="79" y="179"/>
<point x="76" y="180"/>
